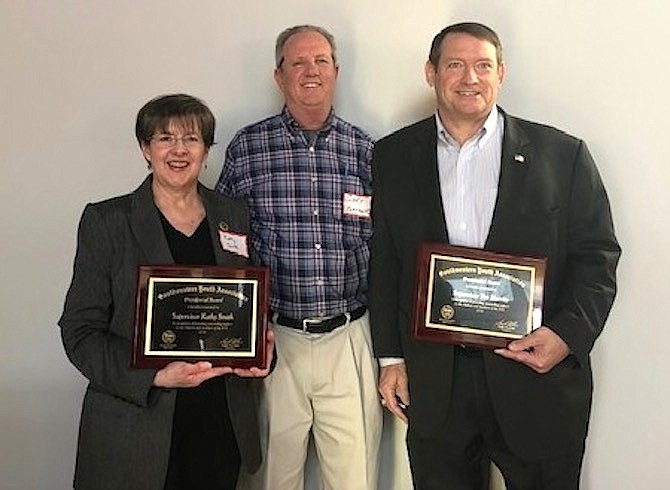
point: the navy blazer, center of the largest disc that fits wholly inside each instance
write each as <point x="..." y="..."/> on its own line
<point x="126" y="424"/>
<point x="551" y="204"/>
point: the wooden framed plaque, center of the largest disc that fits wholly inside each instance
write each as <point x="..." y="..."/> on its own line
<point x="476" y="298"/>
<point x="200" y="313"/>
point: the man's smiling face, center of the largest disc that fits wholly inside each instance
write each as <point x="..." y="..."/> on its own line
<point x="307" y="73"/>
<point x="467" y="78"/>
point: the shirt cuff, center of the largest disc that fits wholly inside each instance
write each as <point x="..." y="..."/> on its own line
<point x="390" y="361"/>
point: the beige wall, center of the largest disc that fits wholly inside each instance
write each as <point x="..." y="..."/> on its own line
<point x="74" y="73"/>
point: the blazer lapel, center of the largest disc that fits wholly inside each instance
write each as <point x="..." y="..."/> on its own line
<point x="423" y="159"/>
<point x="517" y="157"/>
<point x="146" y="226"/>
<point x="222" y="218"/>
<point x="217" y="221"/>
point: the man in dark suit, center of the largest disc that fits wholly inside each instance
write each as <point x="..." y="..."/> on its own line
<point x="475" y="176"/>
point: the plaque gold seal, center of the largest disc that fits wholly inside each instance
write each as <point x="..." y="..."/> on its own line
<point x="168" y="337"/>
<point x="447" y="312"/>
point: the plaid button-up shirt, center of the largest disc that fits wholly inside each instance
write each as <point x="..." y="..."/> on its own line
<point x="317" y="254"/>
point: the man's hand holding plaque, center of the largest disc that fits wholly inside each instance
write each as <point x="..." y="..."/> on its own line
<point x="541" y="350"/>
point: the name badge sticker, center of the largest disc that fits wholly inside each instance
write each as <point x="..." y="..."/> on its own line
<point x="235" y="243"/>
<point x="356" y="205"/>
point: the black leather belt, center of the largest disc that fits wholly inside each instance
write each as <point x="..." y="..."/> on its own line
<point x="315" y="325"/>
<point x="465" y="351"/>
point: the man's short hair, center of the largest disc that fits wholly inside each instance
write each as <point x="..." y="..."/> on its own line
<point x="286" y="34"/>
<point x="480" y="31"/>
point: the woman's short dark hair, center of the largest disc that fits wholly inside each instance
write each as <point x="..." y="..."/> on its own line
<point x="190" y="111"/>
<point x="480" y="31"/>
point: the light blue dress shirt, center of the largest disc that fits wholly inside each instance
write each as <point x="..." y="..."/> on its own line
<point x="469" y="177"/>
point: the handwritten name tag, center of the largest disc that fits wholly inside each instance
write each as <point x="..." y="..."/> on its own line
<point x="235" y="243"/>
<point x="356" y="205"/>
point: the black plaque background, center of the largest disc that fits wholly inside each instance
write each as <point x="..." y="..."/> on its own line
<point x="469" y="325"/>
<point x="184" y="345"/>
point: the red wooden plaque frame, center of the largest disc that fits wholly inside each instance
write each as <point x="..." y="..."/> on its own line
<point x="200" y="313"/>
<point x="491" y="321"/>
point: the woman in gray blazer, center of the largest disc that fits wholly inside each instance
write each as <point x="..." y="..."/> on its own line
<point x="187" y="425"/>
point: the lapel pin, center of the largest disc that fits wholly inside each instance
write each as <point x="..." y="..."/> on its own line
<point x="223" y="226"/>
<point x="518" y="158"/>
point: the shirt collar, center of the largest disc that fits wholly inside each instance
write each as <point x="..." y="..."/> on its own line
<point x="294" y="127"/>
<point x="482" y="136"/>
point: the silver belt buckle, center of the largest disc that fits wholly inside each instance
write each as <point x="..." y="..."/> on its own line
<point x="307" y="321"/>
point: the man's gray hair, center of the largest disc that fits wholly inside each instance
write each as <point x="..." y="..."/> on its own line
<point x="291" y="31"/>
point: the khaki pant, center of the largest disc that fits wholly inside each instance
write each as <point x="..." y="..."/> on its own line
<point x="326" y="384"/>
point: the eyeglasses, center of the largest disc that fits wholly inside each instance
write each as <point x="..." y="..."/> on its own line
<point x="166" y="140"/>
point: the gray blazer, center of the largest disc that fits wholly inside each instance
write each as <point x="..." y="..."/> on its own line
<point x="126" y="424"/>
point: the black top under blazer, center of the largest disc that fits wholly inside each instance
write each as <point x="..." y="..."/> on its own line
<point x="550" y="203"/>
<point x="126" y="424"/>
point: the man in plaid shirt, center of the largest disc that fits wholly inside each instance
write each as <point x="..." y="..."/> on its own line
<point x="306" y="175"/>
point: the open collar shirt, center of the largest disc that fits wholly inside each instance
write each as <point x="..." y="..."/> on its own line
<point x="469" y="176"/>
<point x="317" y="255"/>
